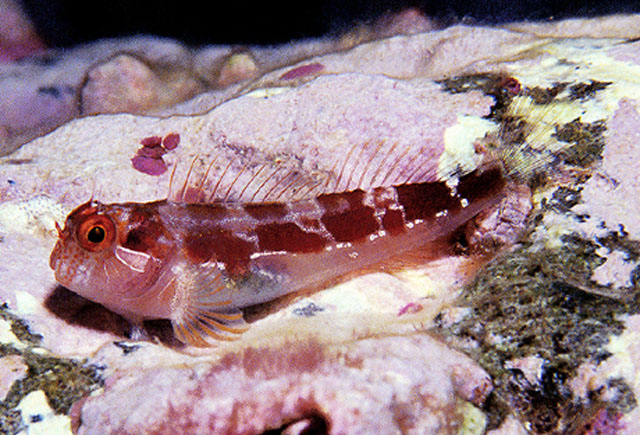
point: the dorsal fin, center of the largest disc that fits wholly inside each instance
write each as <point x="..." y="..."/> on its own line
<point x="251" y="182"/>
<point x="363" y="166"/>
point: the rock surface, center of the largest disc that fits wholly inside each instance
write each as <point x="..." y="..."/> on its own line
<point x="429" y="345"/>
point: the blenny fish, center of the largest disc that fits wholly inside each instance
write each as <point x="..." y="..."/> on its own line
<point x="199" y="262"/>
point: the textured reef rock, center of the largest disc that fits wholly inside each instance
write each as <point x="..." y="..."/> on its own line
<point x="526" y="320"/>
<point x="17" y="36"/>
<point x="379" y="383"/>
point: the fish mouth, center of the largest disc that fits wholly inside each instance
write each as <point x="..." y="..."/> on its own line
<point x="56" y="262"/>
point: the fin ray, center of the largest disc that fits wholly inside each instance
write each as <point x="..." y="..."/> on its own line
<point x="206" y="311"/>
<point x="250" y="180"/>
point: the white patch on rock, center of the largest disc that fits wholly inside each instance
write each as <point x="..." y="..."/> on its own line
<point x="267" y="92"/>
<point x="530" y="366"/>
<point x="611" y="194"/>
<point x="459" y="153"/>
<point x="7" y="336"/>
<point x="26" y="303"/>
<point x="37" y="215"/>
<point x="39" y="418"/>
<point x="615" y="271"/>
<point x="510" y="426"/>
<point x="475" y="421"/>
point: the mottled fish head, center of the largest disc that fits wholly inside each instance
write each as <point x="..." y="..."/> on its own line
<point x="112" y="254"/>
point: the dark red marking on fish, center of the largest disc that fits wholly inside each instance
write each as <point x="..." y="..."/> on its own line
<point x="479" y="184"/>
<point x="288" y="237"/>
<point x="270" y="211"/>
<point x="219" y="245"/>
<point x="393" y="222"/>
<point x="346" y="217"/>
<point x="311" y="224"/>
<point x="352" y="225"/>
<point x="425" y="200"/>
<point x="144" y="230"/>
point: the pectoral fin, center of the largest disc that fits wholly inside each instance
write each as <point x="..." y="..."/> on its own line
<point x="205" y="310"/>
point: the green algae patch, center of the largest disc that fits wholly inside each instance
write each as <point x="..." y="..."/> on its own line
<point x="10" y="421"/>
<point x="586" y="91"/>
<point x="500" y="86"/>
<point x="532" y="302"/>
<point x="63" y="381"/>
<point x="543" y="96"/>
<point x="485" y="82"/>
<point x="18" y="327"/>
<point x="538" y="303"/>
<point x="587" y="140"/>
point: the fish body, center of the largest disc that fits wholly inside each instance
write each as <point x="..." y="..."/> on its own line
<point x="200" y="264"/>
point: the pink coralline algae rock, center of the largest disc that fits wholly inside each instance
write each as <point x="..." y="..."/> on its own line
<point x="388" y="385"/>
<point x="611" y="195"/>
<point x="127" y="84"/>
<point x="17" y="36"/>
<point x="302" y="129"/>
<point x="47" y="90"/>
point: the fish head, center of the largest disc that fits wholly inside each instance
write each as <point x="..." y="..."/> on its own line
<point x="112" y="254"/>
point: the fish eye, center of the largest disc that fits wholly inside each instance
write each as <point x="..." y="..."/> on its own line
<point x="96" y="233"/>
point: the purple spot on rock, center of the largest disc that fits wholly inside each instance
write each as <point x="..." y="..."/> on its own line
<point x="512" y="85"/>
<point x="151" y="141"/>
<point x="603" y="423"/>
<point x="51" y="91"/>
<point x="171" y="141"/>
<point x="154" y="152"/>
<point x="149" y="165"/>
<point x="302" y="71"/>
<point x="410" y="308"/>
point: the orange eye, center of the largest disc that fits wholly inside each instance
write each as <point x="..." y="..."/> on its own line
<point x="96" y="233"/>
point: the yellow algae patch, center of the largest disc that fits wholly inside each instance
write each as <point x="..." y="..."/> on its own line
<point x="459" y="152"/>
